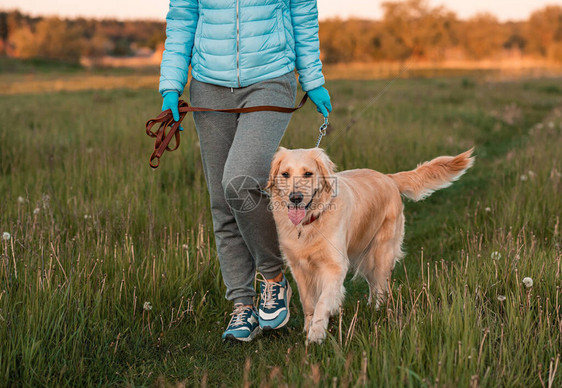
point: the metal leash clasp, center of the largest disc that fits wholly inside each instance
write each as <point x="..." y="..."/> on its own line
<point x="322" y="131"/>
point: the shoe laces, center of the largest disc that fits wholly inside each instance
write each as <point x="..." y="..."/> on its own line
<point x="268" y="293"/>
<point x="238" y="318"/>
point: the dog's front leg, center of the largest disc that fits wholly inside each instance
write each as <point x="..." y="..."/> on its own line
<point x="331" y="297"/>
<point x="307" y="293"/>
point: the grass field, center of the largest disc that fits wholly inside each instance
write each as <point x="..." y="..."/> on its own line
<point x="110" y="275"/>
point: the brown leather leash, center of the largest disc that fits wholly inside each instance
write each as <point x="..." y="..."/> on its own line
<point x="170" y="129"/>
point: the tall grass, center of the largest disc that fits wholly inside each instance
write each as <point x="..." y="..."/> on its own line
<point x="110" y="274"/>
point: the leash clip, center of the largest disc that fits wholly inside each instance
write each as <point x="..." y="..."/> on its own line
<point x="322" y="131"/>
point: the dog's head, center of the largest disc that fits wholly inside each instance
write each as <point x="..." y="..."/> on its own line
<point x="301" y="181"/>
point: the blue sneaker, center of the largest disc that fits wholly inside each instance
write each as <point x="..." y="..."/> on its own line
<point x="274" y="304"/>
<point x="243" y="325"/>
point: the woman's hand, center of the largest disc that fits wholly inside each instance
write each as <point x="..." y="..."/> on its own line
<point x="321" y="98"/>
<point x="171" y="101"/>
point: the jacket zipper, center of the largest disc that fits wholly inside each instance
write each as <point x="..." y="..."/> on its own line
<point x="238" y="41"/>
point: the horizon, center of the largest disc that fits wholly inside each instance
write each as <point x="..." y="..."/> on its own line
<point x="504" y="10"/>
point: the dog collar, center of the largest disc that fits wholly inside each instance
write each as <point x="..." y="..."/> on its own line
<point x="311" y="220"/>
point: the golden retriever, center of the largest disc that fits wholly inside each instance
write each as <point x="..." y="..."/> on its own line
<point x="328" y="222"/>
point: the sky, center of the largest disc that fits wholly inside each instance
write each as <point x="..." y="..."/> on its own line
<point x="156" y="9"/>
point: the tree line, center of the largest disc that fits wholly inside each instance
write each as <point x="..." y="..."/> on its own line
<point x="408" y="28"/>
<point x="414" y="28"/>
<point x="23" y="36"/>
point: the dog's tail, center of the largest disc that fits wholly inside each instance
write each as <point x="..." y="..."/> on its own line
<point x="430" y="176"/>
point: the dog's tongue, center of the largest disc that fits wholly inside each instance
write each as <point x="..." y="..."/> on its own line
<point x="296" y="214"/>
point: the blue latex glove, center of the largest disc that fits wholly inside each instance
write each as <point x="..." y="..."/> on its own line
<point x="171" y="100"/>
<point x="321" y="98"/>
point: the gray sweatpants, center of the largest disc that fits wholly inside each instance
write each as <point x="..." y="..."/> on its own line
<point x="236" y="150"/>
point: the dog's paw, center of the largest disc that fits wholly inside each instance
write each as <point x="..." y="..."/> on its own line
<point x="316" y="334"/>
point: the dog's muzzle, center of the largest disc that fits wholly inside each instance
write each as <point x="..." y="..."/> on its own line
<point x="297" y="211"/>
<point x="295" y="197"/>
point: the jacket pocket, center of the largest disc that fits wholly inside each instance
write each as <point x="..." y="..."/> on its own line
<point x="281" y="27"/>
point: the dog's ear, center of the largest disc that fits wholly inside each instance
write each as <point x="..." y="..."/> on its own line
<point x="327" y="169"/>
<point x="275" y="164"/>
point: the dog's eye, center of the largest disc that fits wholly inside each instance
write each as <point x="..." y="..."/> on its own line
<point x="307" y="174"/>
<point x="285" y="175"/>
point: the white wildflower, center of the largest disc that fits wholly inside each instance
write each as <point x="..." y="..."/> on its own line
<point x="528" y="282"/>
<point x="147" y="306"/>
<point x="524" y="177"/>
<point x="185" y="246"/>
<point x="21" y="199"/>
<point x="496" y="255"/>
<point x="87" y="217"/>
<point x="532" y="174"/>
<point x="46" y="200"/>
<point x="501" y="298"/>
<point x="6" y="236"/>
<point x="36" y="210"/>
<point x="488" y="210"/>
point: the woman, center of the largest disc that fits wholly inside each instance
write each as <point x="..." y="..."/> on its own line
<point x="243" y="53"/>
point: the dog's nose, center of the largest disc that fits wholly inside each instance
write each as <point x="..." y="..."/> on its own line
<point x="296" y="197"/>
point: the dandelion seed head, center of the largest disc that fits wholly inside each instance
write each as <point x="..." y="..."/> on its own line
<point x="496" y="255"/>
<point x="147" y="306"/>
<point x="523" y="177"/>
<point x="87" y="216"/>
<point x="528" y="282"/>
<point x="488" y="210"/>
<point x="501" y="298"/>
<point x="6" y="236"/>
<point x="21" y="199"/>
<point x="185" y="246"/>
<point x="36" y="210"/>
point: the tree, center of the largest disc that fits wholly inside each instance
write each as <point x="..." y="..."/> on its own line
<point x="482" y="36"/>
<point x="10" y="21"/>
<point x="418" y="29"/>
<point x="544" y="28"/>
<point x="346" y="41"/>
<point x="51" y="39"/>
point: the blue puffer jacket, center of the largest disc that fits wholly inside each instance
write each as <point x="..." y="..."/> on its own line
<point x="237" y="43"/>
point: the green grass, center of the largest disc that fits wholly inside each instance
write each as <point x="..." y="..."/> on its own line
<point x="110" y="234"/>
